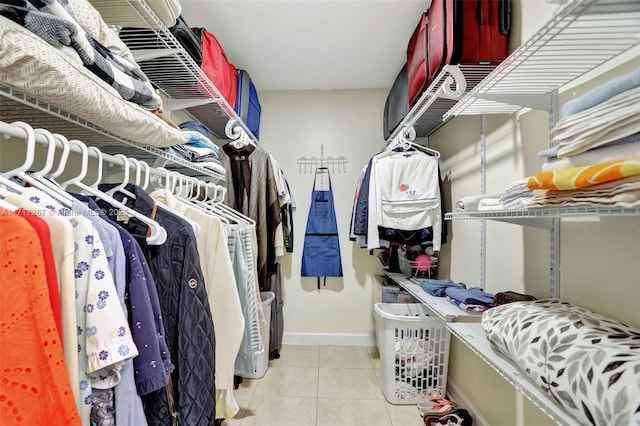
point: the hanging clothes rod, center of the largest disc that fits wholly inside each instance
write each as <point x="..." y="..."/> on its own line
<point x="11" y="130"/>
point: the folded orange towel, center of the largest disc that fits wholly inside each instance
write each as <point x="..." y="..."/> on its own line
<point x="583" y="177"/>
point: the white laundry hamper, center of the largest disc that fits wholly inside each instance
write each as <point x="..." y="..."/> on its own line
<point x="414" y="352"/>
<point x="262" y="359"/>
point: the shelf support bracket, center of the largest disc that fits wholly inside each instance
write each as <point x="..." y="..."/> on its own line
<point x="148" y="54"/>
<point x="178" y="104"/>
<point x="532" y="100"/>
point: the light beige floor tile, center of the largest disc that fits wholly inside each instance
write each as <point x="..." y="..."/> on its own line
<point x="297" y="356"/>
<point x="266" y="410"/>
<point x="352" y="383"/>
<point x="374" y="356"/>
<point x="404" y="415"/>
<point x="289" y="381"/>
<point x="345" y="357"/>
<point x="352" y="412"/>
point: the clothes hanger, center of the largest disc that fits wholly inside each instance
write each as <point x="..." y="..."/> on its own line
<point x="212" y="209"/>
<point x="126" y="165"/>
<point x="237" y="134"/>
<point x="218" y="201"/>
<point x="45" y="177"/>
<point x="197" y="228"/>
<point x="147" y="174"/>
<point x="405" y="141"/>
<point x="158" y="233"/>
<point x="20" y="172"/>
<point x="98" y="155"/>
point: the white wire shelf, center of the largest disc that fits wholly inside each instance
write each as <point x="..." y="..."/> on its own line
<point x="542" y="217"/>
<point x="444" y="309"/>
<point x="473" y="336"/>
<point x="169" y="67"/>
<point x="581" y="36"/>
<point x="442" y="94"/>
<point x="16" y="105"/>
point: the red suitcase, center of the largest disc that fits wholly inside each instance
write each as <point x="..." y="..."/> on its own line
<point x="457" y="32"/>
<point x="417" y="65"/>
<point x="216" y="66"/>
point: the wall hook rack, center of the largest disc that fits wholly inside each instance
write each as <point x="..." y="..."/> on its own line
<point x="335" y="165"/>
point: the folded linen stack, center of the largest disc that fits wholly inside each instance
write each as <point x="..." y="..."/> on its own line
<point x="438" y="287"/>
<point x="199" y="148"/>
<point x="471" y="203"/>
<point x="597" y="157"/>
<point x="516" y="195"/>
<point x="472" y="299"/>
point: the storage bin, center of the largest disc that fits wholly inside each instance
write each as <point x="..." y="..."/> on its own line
<point x="262" y="359"/>
<point x="414" y="352"/>
<point x="424" y="266"/>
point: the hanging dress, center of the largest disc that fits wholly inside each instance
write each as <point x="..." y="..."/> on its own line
<point x="321" y="252"/>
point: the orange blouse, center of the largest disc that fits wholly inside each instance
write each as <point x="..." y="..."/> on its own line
<point x="34" y="384"/>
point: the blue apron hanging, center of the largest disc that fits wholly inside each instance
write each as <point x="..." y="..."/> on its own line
<point x="321" y="252"/>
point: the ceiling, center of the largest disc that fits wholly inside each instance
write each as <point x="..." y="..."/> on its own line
<point x="311" y="44"/>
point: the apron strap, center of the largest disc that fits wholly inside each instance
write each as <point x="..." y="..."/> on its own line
<point x="316" y="175"/>
<point x="325" y="282"/>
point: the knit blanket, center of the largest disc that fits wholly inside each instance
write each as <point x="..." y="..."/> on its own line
<point x="583" y="177"/>
<point x="52" y="21"/>
<point x="609" y="121"/>
<point x="624" y="193"/>
<point x="604" y="154"/>
<point x="602" y="93"/>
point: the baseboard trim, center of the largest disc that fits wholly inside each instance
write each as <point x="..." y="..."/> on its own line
<point x="329" y="339"/>
<point x="462" y="401"/>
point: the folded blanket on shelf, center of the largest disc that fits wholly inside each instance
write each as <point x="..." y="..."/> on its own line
<point x="472" y="295"/>
<point x="604" y="154"/>
<point x="470" y="203"/>
<point x="37" y="69"/>
<point x="624" y="193"/>
<point x="437" y="287"/>
<point x="583" y="177"/>
<point x="468" y="307"/>
<point x="505" y="297"/>
<point x="93" y="23"/>
<point x="612" y="120"/>
<point x="588" y="363"/>
<point x="602" y="93"/>
<point x="54" y="24"/>
<point x="516" y="195"/>
<point x="488" y="204"/>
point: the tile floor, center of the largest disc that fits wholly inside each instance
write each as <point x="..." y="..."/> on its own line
<point x="320" y="386"/>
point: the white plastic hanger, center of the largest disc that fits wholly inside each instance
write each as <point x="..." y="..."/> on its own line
<point x="126" y="165"/>
<point x="216" y="204"/>
<point x="197" y="228"/>
<point x="147" y="174"/>
<point x="158" y="233"/>
<point x="405" y="140"/>
<point x="237" y="134"/>
<point x="20" y="172"/>
<point x="44" y="177"/>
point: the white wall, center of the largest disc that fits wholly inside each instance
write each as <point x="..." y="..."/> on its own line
<point x="348" y="123"/>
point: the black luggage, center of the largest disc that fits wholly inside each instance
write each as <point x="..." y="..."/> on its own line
<point x="397" y="105"/>
<point x="187" y="39"/>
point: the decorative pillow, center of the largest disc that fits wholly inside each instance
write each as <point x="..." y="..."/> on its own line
<point x="33" y="66"/>
<point x="588" y="363"/>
